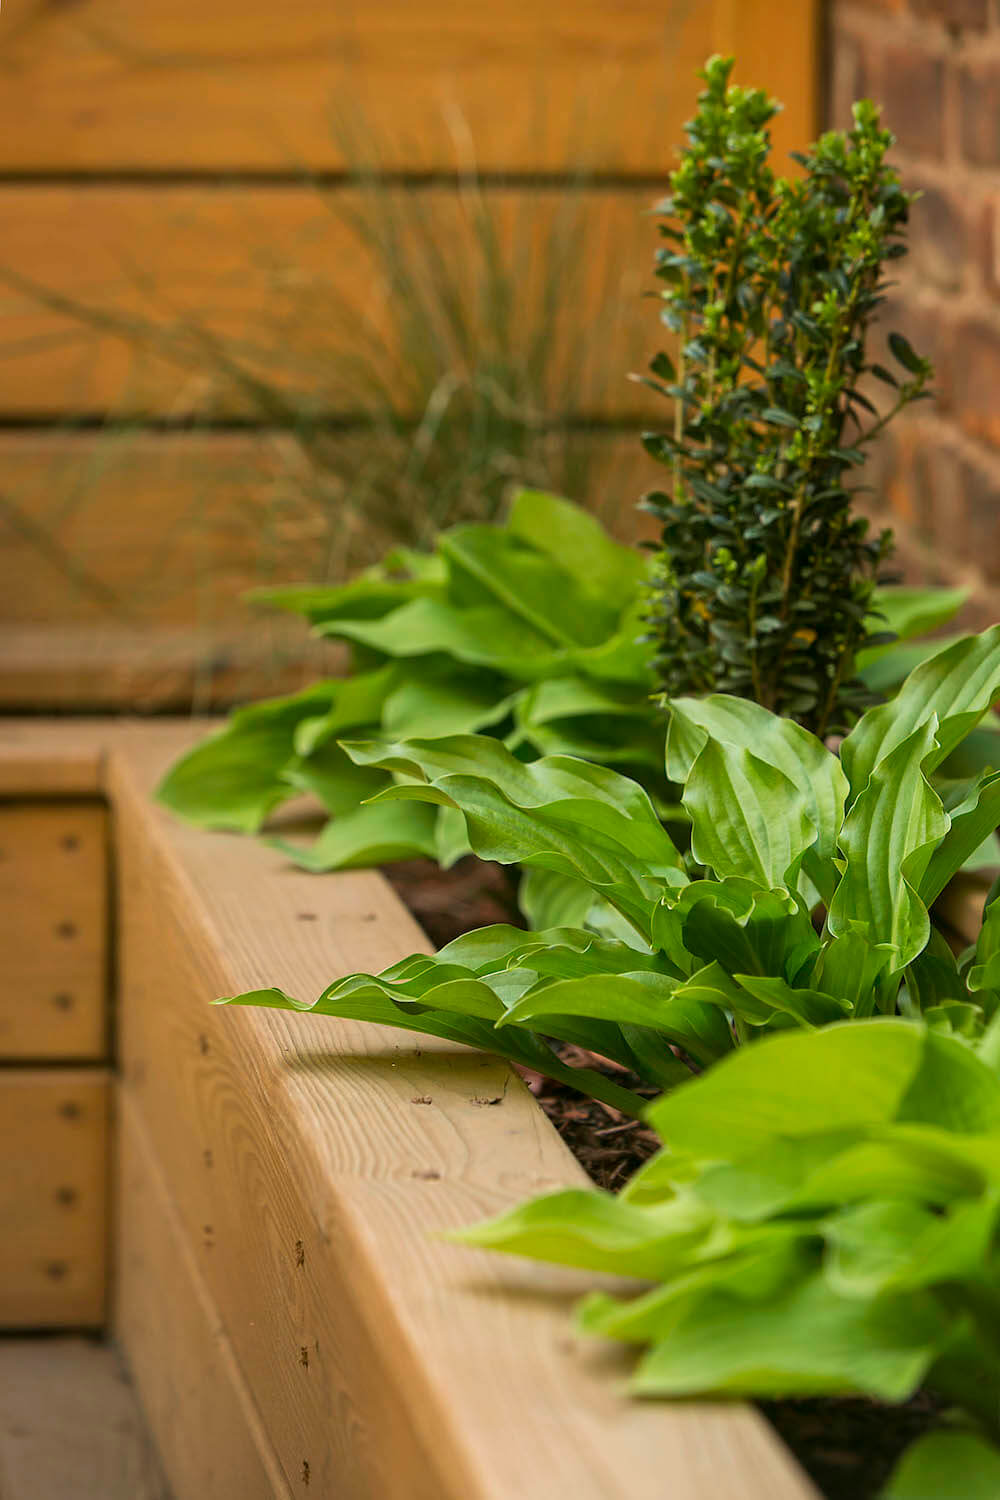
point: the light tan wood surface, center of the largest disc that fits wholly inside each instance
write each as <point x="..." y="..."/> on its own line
<point x="192" y="1387"/>
<point x="311" y="1162"/>
<point x="53" y="1197"/>
<point x="51" y="757"/>
<point x="54" y="886"/>
<point x="70" y="1426"/>
<point x="103" y="85"/>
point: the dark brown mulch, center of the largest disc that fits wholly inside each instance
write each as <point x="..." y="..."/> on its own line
<point x="447" y="903"/>
<point x="847" y="1447"/>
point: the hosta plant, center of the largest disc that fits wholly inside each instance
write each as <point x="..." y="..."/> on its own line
<point x="822" y="1220"/>
<point x="527" y="631"/>
<point x="804" y="898"/>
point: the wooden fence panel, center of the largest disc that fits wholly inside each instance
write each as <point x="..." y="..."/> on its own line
<point x="178" y="166"/>
<point x="105" y="85"/>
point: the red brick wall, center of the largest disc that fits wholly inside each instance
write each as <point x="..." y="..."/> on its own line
<point x="934" y="65"/>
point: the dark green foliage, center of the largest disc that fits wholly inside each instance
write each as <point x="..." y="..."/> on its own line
<point x="766" y="577"/>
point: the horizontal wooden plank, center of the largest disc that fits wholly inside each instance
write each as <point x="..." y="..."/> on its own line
<point x="50" y="758"/>
<point x="151" y="530"/>
<point x="53" y="1197"/>
<point x="54" y="931"/>
<point x="194" y="1396"/>
<point x="310" y="1161"/>
<point x="185" y="285"/>
<point x="68" y="669"/>
<point x="123" y="559"/>
<point x="101" y="84"/>
<point x="70" y="1425"/>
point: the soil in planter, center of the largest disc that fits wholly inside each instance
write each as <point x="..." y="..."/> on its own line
<point x="847" y="1447"/>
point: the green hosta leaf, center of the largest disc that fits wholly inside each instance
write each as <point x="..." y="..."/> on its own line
<point x="807" y="1007"/>
<point x="932" y="979"/>
<point x="857" y="970"/>
<point x="957" y="686"/>
<point x="451" y="840"/>
<point x="235" y="778"/>
<point x="623" y="657"/>
<point x="369" y="597"/>
<point x="556" y="814"/>
<point x="747" y="818"/>
<point x="530" y="585"/>
<point x="806" y="1339"/>
<point x="373" y="834"/>
<point x="485" y="635"/>
<point x="887" y="840"/>
<point x="978" y="752"/>
<point x="355" y="701"/>
<point x="796" y="1082"/>
<point x="756" y="1269"/>
<point x="573" y="697"/>
<point x="748" y="930"/>
<point x="595" y="1231"/>
<point x="803" y="759"/>
<point x="972" y="821"/>
<point x="577" y="954"/>
<point x="907" y="612"/>
<point x="956" y="1018"/>
<point x="952" y="1089"/>
<point x="641" y="999"/>
<point x="883" y="668"/>
<point x="889" y="1244"/>
<point x="946" y="1463"/>
<point x="551" y="900"/>
<point x="578" y="542"/>
<point x="985" y="971"/>
<point x="330" y="776"/>
<point x="433" y="698"/>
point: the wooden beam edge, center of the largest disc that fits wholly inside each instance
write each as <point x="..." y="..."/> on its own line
<point x="237" y="897"/>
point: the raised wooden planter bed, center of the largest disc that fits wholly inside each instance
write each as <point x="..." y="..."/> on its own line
<point x="292" y="1324"/>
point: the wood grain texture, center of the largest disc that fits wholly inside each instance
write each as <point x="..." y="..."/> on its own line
<point x="58" y="668"/>
<point x="193" y="1391"/>
<point x="146" y="286"/>
<point x="167" y="531"/>
<point x="53" y="1197"/>
<point x="310" y="1163"/>
<point x="54" y="883"/>
<point x="70" y="1426"/>
<point x="50" y="758"/>
<point x="102" y="85"/>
